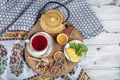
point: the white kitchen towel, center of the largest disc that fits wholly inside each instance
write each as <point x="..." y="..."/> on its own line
<point x="12" y="60"/>
<point x="12" y="63"/>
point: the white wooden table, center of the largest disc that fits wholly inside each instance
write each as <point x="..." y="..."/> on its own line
<point x="103" y="59"/>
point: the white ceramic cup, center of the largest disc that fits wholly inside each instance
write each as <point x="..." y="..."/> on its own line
<point x="39" y="44"/>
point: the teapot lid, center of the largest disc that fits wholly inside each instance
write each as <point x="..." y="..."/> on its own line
<point x="51" y="21"/>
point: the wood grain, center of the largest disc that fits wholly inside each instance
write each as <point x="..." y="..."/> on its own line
<point x="71" y="32"/>
<point x="103" y="14"/>
<point x="103" y="59"/>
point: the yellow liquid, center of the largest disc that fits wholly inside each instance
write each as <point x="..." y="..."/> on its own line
<point x="62" y="38"/>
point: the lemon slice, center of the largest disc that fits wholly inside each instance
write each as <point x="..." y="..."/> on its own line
<point x="72" y="55"/>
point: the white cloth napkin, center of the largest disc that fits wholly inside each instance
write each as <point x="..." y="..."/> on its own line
<point x="14" y="67"/>
<point x="12" y="63"/>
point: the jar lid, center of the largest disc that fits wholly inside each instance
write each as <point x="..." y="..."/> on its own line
<point x="51" y="21"/>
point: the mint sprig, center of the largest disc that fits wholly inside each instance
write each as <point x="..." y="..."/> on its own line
<point x="79" y="48"/>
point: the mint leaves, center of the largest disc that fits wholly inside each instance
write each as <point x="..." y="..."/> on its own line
<point x="79" y="48"/>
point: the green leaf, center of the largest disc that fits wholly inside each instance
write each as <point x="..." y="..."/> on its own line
<point x="79" y="48"/>
<point x="72" y="45"/>
<point x="79" y="52"/>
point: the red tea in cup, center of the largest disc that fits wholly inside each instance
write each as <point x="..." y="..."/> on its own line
<point x="39" y="42"/>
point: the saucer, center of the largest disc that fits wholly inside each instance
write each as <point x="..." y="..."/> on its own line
<point x="41" y="54"/>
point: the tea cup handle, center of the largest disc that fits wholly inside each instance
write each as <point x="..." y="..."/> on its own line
<point x="27" y="41"/>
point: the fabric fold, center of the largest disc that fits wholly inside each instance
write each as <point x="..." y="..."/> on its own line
<point x="24" y="14"/>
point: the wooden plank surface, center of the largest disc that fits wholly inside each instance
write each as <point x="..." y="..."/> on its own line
<point x="104" y="38"/>
<point x="107" y="12"/>
<point x="103" y="59"/>
<point x="112" y="25"/>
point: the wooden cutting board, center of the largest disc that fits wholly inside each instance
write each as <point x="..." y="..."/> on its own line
<point x="72" y="34"/>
